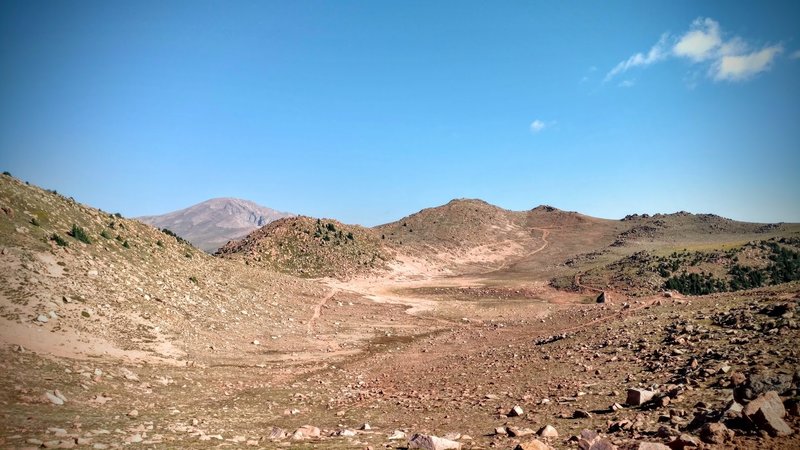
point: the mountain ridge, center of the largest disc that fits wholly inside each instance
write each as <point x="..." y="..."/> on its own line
<point x="212" y="223"/>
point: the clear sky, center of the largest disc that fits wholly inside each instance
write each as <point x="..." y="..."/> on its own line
<point x="367" y="111"/>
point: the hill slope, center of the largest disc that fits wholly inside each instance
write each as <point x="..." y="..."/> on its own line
<point x="310" y="248"/>
<point x="121" y="288"/>
<point x="211" y="224"/>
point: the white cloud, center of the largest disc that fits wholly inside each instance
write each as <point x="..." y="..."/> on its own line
<point x="726" y="58"/>
<point x="626" y="83"/>
<point x="657" y="53"/>
<point x="701" y="42"/>
<point x="742" y="67"/>
<point x="795" y="54"/>
<point x="537" y="126"/>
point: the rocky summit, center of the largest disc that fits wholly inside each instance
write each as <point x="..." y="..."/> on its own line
<point x="462" y="326"/>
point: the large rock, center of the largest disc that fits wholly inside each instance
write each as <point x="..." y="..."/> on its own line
<point x="637" y="397"/>
<point x="603" y="297"/>
<point x="766" y="412"/>
<point x="428" y="442"/>
<point x="750" y="387"/>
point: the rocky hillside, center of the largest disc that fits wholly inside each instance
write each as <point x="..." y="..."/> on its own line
<point x="310" y="247"/>
<point x="72" y="275"/>
<point x="211" y="224"/>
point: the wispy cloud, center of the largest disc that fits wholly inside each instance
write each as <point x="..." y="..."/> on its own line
<point x="795" y="54"/>
<point x="537" y="126"/>
<point x="657" y="52"/>
<point x="727" y="59"/>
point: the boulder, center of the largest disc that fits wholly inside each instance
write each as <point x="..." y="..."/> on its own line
<point x="429" y="442"/>
<point x="603" y="297"/>
<point x="750" y="387"/>
<point x="637" y="397"/>
<point x="515" y="411"/>
<point x="766" y="412"/>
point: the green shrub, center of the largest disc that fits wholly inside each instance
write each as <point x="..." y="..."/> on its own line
<point x="159" y="243"/>
<point x="126" y="244"/>
<point x="35" y="222"/>
<point x="59" y="240"/>
<point x="80" y="234"/>
<point x="193" y="279"/>
<point x="7" y="173"/>
<point x="105" y="234"/>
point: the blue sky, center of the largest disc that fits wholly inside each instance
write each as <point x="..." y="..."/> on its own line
<point x="367" y="111"/>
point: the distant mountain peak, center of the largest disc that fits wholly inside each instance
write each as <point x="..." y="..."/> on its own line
<point x="212" y="223"/>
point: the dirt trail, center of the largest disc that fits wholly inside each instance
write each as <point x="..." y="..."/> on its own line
<point x="508" y="262"/>
<point x="577" y="282"/>
<point x="318" y="310"/>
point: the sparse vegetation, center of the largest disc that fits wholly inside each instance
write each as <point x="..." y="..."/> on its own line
<point x="59" y="240"/>
<point x="784" y="267"/>
<point x="105" y="234"/>
<point x="79" y="233"/>
<point x="35" y="222"/>
<point x="126" y="244"/>
<point x="180" y="240"/>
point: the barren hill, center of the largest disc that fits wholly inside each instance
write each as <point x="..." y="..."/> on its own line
<point x="211" y="224"/>
<point x="310" y="247"/>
